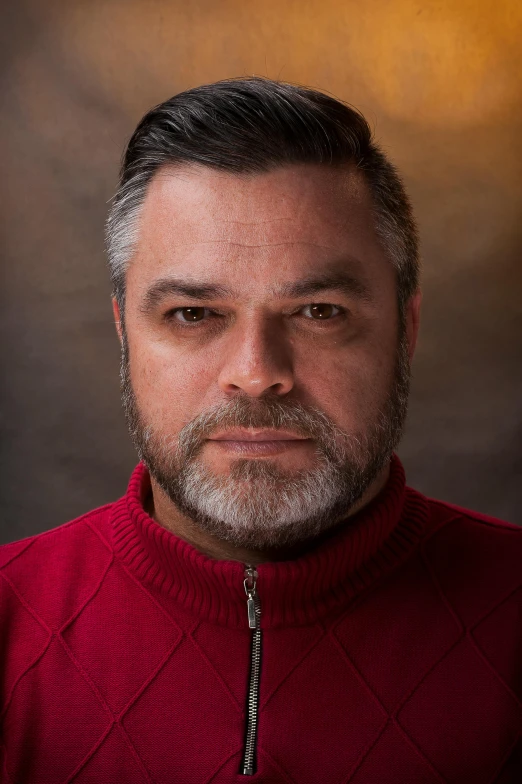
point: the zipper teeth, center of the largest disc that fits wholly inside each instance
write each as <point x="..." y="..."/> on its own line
<point x="253" y="700"/>
<point x="252" y="708"/>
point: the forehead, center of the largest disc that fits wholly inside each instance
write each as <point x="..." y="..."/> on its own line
<point x="281" y="224"/>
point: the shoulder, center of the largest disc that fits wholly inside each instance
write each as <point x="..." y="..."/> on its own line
<point x="47" y="574"/>
<point x="445" y="510"/>
<point x="64" y="537"/>
<point x="476" y="560"/>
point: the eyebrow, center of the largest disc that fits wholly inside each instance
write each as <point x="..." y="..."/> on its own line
<point x="336" y="281"/>
<point x="205" y="292"/>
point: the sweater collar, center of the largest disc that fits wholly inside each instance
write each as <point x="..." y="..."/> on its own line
<point x="293" y="592"/>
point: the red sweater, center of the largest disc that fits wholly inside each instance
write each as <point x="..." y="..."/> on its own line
<point x="391" y="654"/>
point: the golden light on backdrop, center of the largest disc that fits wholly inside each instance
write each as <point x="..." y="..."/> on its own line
<point x="446" y="63"/>
<point x="450" y="62"/>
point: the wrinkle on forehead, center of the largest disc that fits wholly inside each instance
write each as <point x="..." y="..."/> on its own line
<point x="257" y="245"/>
<point x="292" y="220"/>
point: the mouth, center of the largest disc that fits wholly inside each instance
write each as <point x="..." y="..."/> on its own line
<point x="258" y="441"/>
<point x="257" y="435"/>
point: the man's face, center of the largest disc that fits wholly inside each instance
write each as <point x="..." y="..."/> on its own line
<point x="263" y="307"/>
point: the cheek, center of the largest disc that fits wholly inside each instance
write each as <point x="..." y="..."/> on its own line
<point x="349" y="386"/>
<point x="170" y="388"/>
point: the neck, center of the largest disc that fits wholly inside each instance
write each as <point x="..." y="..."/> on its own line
<point x="160" y="507"/>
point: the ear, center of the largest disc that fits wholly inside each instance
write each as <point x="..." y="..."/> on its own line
<point x="117" y="317"/>
<point x="413" y="321"/>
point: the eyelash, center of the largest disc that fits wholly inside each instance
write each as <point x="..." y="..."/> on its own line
<point x="170" y="316"/>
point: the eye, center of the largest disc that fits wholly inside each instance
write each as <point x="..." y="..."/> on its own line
<point x="188" y="315"/>
<point x="321" y="311"/>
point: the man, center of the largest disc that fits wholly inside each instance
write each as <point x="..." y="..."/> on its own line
<point x="268" y="599"/>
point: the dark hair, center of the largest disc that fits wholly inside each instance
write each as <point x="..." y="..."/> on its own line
<point x="254" y="125"/>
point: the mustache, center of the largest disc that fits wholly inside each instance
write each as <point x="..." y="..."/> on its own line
<point x="271" y="413"/>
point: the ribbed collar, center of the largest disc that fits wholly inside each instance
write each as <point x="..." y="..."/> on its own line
<point x="293" y="592"/>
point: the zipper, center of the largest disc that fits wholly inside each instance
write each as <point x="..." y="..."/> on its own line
<point x="248" y="765"/>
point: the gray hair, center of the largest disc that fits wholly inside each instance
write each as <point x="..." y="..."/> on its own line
<point x="254" y="125"/>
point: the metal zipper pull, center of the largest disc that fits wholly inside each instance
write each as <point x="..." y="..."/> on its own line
<point x="251" y="607"/>
<point x="250" y="589"/>
<point x="254" y="612"/>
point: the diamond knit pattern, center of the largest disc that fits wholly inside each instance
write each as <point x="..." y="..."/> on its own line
<point x="391" y="654"/>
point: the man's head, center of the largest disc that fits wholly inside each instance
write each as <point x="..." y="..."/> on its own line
<point x="265" y="273"/>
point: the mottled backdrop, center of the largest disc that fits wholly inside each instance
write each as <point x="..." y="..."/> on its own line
<point x="441" y="84"/>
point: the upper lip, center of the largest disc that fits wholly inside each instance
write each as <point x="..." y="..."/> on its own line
<point x="256" y="434"/>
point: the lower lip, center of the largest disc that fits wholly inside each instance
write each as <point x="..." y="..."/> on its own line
<point x="259" y="448"/>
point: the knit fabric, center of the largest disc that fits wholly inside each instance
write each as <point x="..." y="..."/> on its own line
<point x="392" y="653"/>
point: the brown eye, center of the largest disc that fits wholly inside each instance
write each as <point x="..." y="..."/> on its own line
<point x="322" y="311"/>
<point x="189" y="314"/>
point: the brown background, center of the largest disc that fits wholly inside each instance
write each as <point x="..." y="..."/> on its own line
<point x="441" y="84"/>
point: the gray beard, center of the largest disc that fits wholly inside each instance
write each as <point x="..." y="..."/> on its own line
<point x="258" y="505"/>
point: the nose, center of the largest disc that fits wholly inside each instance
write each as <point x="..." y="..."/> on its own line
<point x="258" y="360"/>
